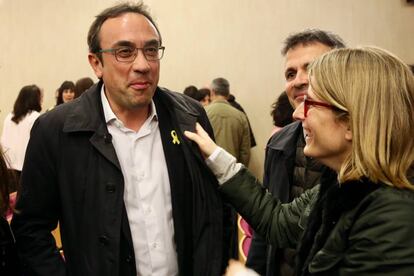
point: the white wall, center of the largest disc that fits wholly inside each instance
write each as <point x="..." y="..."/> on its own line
<point x="44" y="42"/>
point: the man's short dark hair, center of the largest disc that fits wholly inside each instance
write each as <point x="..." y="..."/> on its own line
<point x="310" y="36"/>
<point x="221" y="87"/>
<point x="112" y="12"/>
<point x="82" y="85"/>
<point x="201" y="94"/>
<point x="190" y="91"/>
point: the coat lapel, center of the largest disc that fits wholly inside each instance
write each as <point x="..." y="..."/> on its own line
<point x="102" y="141"/>
<point x="88" y="116"/>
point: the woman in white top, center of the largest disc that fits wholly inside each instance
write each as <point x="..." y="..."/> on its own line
<point x="17" y="126"/>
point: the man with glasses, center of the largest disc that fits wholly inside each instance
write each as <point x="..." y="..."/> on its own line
<point x="288" y="173"/>
<point x="131" y="194"/>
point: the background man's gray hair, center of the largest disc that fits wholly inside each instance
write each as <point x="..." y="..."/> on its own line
<point x="221" y="87"/>
<point x="310" y="36"/>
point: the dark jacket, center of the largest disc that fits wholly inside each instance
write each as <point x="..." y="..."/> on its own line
<point x="281" y="155"/>
<point x="358" y="228"/>
<point x="72" y="175"/>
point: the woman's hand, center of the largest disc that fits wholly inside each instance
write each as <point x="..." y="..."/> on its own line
<point x="204" y="142"/>
<point x="236" y="268"/>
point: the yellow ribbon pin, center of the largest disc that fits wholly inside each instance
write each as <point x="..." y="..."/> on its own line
<point x="175" y="137"/>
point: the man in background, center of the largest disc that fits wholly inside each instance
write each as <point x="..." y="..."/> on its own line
<point x="230" y="125"/>
<point x="232" y="101"/>
<point x="287" y="172"/>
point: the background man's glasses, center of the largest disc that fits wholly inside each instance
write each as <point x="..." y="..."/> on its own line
<point x="128" y="54"/>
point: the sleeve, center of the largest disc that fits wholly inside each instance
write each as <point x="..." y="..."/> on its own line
<point x="381" y="242"/>
<point x="37" y="208"/>
<point x="245" y="143"/>
<point x="223" y="165"/>
<point x="279" y="224"/>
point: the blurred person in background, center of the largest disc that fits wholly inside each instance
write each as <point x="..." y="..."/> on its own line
<point x="190" y="91"/>
<point x="66" y="92"/>
<point x="82" y="85"/>
<point x="232" y="101"/>
<point x="8" y="256"/>
<point x="203" y="96"/>
<point x="17" y="126"/>
<point x="281" y="113"/>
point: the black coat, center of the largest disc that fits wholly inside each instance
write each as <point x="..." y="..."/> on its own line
<point x="278" y="178"/>
<point x="72" y="175"/>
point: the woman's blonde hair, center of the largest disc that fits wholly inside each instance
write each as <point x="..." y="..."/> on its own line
<point x="374" y="91"/>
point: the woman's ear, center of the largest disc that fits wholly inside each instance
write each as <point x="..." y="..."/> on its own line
<point x="348" y="132"/>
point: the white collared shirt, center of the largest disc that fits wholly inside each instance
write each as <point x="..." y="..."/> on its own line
<point x="147" y="193"/>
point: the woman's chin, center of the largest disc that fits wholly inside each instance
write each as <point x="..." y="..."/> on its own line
<point x="307" y="151"/>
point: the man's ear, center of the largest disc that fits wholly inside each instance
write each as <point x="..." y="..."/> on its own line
<point x="96" y="65"/>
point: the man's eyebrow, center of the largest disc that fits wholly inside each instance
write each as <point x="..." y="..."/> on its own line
<point x="290" y="69"/>
<point x="124" y="43"/>
<point x="152" y="42"/>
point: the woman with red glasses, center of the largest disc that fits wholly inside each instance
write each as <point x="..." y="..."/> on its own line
<point x="358" y="119"/>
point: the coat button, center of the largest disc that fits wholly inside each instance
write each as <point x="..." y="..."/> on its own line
<point x="104" y="240"/>
<point x="128" y="259"/>
<point x="107" y="138"/>
<point x="110" y="188"/>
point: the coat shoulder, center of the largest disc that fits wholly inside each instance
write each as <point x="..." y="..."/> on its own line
<point x="181" y="101"/>
<point x="286" y="137"/>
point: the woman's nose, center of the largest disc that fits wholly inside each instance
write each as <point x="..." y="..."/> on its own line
<point x="299" y="113"/>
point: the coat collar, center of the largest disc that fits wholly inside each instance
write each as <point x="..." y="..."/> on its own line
<point x="184" y="113"/>
<point x="220" y="101"/>
<point x="334" y="200"/>
<point x="86" y="115"/>
<point x="285" y="139"/>
<point x="87" y="111"/>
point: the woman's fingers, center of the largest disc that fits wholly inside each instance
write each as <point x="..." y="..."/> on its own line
<point x="206" y="145"/>
<point x="234" y="268"/>
<point x="200" y="131"/>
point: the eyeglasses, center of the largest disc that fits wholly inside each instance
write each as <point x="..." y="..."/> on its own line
<point x="128" y="54"/>
<point x="307" y="103"/>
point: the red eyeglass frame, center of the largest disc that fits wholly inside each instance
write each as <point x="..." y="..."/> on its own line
<point x="307" y="103"/>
